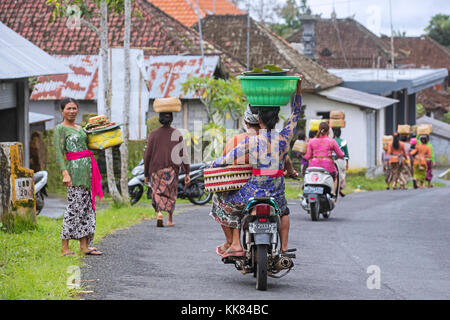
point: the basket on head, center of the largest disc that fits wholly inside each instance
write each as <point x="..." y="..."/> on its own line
<point x="228" y="178"/>
<point x="404" y="129"/>
<point x="336" y="114"/>
<point x="167" y="105"/>
<point x="300" y="146"/>
<point x="424" y="129"/>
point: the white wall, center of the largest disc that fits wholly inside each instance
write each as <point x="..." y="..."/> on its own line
<point x="355" y="131"/>
<point x="138" y="108"/>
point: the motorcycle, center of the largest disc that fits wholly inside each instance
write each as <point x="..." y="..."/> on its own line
<point x="40" y="189"/>
<point x="260" y="239"/>
<point x="318" y="194"/>
<point x="194" y="192"/>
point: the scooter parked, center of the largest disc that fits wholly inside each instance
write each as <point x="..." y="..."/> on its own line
<point x="40" y="185"/>
<point x="195" y="191"/>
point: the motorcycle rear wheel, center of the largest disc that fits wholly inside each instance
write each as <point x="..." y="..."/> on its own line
<point x="204" y="198"/>
<point x="39" y="202"/>
<point x="315" y="215"/>
<point x="261" y="267"/>
<point x="135" y="193"/>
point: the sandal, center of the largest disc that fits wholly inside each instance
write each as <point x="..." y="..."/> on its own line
<point x="221" y="249"/>
<point x="159" y="223"/>
<point x="70" y="253"/>
<point x="91" y="253"/>
<point x="230" y="253"/>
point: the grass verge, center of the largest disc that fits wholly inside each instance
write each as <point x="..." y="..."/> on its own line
<point x="30" y="265"/>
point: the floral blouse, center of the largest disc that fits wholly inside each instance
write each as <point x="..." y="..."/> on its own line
<point x="71" y="140"/>
<point x="261" y="158"/>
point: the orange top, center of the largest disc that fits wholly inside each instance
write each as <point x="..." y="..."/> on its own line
<point x="395" y="153"/>
<point x="422" y="152"/>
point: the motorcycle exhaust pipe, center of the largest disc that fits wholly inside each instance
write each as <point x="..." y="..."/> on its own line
<point x="283" y="263"/>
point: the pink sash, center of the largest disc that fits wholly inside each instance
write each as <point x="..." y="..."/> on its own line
<point x="96" y="181"/>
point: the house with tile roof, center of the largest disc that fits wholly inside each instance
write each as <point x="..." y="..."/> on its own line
<point x="424" y="52"/>
<point x="345" y="43"/>
<point x="322" y="93"/>
<point x="154" y="32"/>
<point x="187" y="11"/>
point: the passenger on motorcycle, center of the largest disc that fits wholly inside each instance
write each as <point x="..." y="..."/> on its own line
<point x="319" y="152"/>
<point x="268" y="151"/>
<point x="221" y="211"/>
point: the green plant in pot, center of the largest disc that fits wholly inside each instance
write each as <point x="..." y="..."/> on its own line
<point x="269" y="88"/>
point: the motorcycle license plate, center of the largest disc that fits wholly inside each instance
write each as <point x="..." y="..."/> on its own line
<point x="309" y="189"/>
<point x="262" y="227"/>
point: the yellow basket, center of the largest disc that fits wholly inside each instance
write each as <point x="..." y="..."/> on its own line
<point x="105" y="139"/>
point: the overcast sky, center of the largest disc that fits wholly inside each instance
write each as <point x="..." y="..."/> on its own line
<point x="411" y="16"/>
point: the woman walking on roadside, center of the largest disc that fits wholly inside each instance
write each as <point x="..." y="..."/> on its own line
<point x="81" y="177"/>
<point x="397" y="157"/>
<point x="162" y="170"/>
<point x="421" y="153"/>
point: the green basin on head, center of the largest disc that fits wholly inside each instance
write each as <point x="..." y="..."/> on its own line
<point x="268" y="91"/>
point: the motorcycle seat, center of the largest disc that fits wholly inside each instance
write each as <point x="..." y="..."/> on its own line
<point x="317" y="169"/>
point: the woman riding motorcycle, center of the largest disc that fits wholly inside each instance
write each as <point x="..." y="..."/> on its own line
<point x="319" y="152"/>
<point x="268" y="151"/>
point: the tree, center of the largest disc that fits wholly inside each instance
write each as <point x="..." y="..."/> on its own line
<point x="80" y="11"/>
<point x="290" y="12"/>
<point x="439" y="29"/>
<point x="126" y="103"/>
<point x="222" y="98"/>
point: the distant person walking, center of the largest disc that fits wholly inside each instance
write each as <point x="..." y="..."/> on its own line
<point x="397" y="158"/>
<point x="431" y="161"/>
<point x="77" y="164"/>
<point x="342" y="164"/>
<point x="162" y="170"/>
<point x="421" y="153"/>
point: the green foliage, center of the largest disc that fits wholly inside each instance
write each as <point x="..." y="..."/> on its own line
<point x="152" y="124"/>
<point x="446" y="117"/>
<point x="81" y="8"/>
<point x="31" y="267"/>
<point x="439" y="29"/>
<point x="420" y="110"/>
<point x="220" y="97"/>
<point x="290" y="13"/>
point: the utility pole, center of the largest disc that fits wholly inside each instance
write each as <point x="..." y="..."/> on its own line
<point x="392" y="36"/>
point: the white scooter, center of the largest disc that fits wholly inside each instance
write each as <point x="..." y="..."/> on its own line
<point x="40" y="185"/>
<point x="318" y="193"/>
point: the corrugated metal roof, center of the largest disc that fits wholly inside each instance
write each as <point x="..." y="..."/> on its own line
<point x="35" y="117"/>
<point x="80" y="84"/>
<point x="165" y="74"/>
<point x="358" y="98"/>
<point x="19" y="58"/>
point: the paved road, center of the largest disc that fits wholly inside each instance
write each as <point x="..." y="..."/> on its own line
<point x="404" y="233"/>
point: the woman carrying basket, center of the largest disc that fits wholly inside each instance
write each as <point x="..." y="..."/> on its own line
<point x="267" y="179"/>
<point x="82" y="179"/>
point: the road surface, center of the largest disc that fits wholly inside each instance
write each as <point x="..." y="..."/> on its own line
<point x="402" y="234"/>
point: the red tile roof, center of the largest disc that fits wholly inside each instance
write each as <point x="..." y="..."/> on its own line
<point x="156" y="32"/>
<point x="230" y="33"/>
<point x="421" y="52"/>
<point x="358" y="47"/>
<point x="183" y="10"/>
